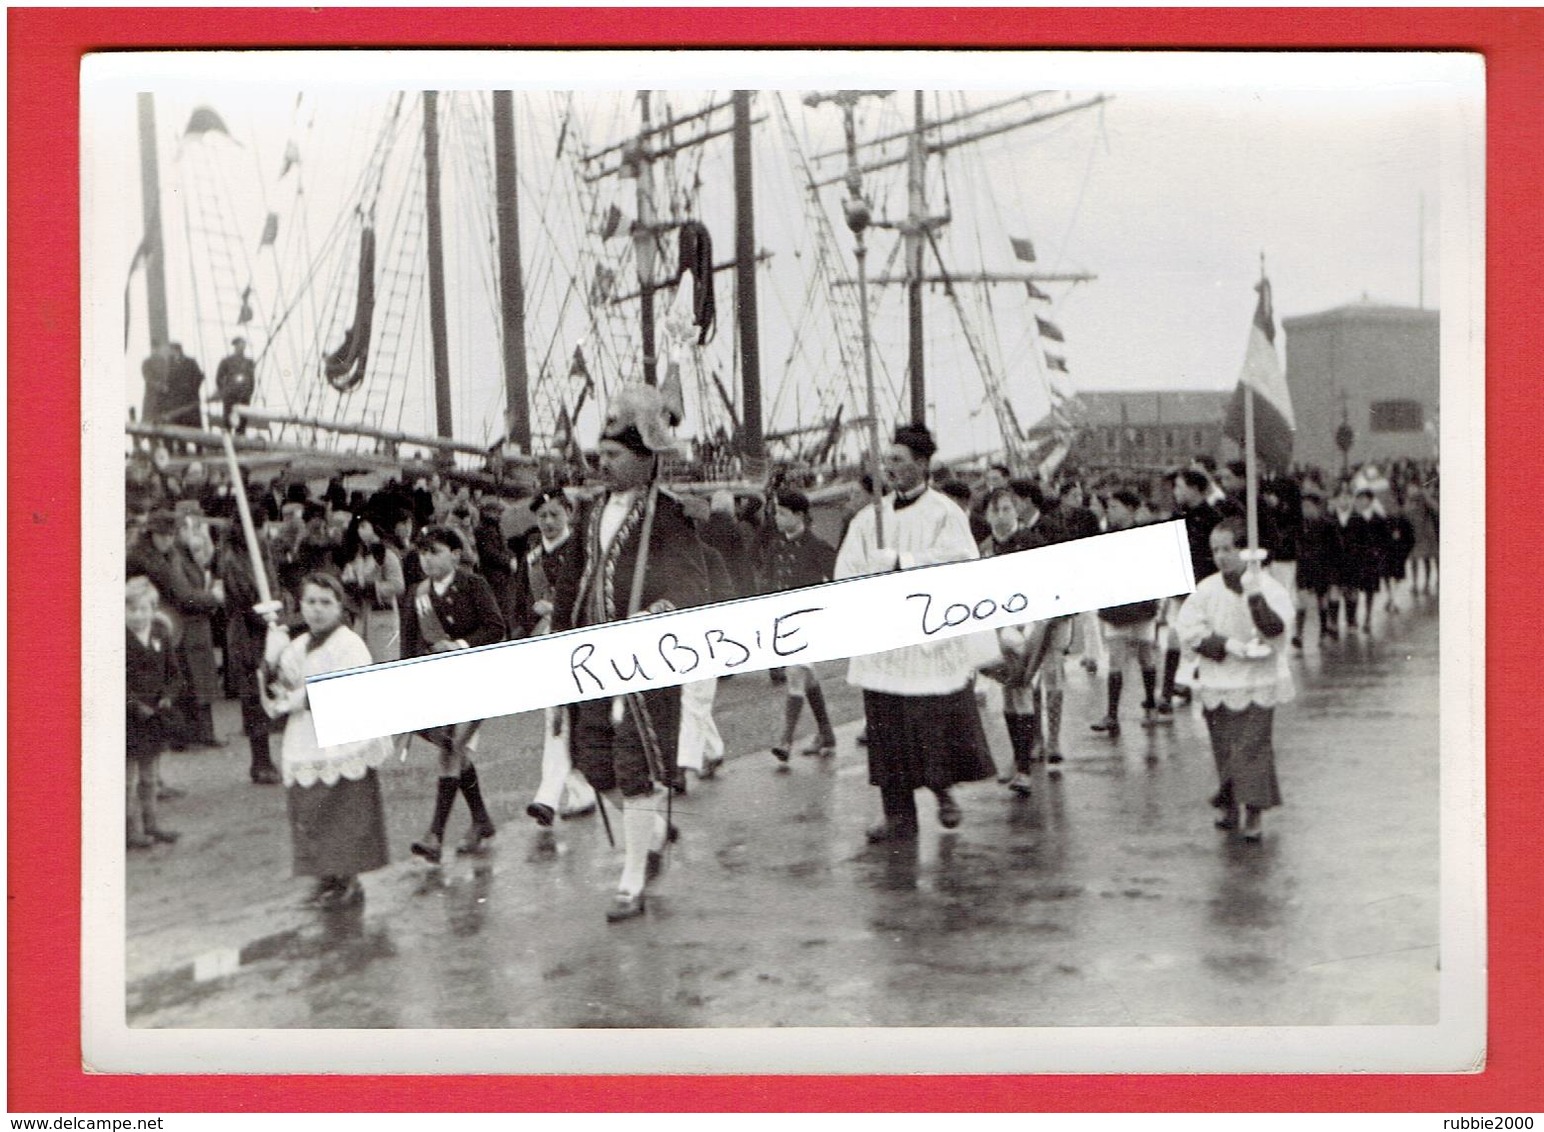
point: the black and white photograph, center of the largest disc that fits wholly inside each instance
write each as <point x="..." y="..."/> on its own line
<point x="396" y="354"/>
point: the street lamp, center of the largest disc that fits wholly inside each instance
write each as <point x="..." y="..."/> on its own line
<point x="1345" y="436"/>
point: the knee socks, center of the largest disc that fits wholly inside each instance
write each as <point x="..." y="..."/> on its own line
<point x="817" y="699"/>
<point x="1149" y="683"/>
<point x="638" y="830"/>
<point x="473" y="793"/>
<point x="1170" y="670"/>
<point x="900" y="804"/>
<point x="1021" y="737"/>
<point x="443" y="801"/>
<point x="793" y="707"/>
<point x="1115" y="682"/>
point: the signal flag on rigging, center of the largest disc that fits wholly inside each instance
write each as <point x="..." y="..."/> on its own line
<point x="1022" y="249"/>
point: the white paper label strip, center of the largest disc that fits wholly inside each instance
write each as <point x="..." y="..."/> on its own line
<point x="818" y="623"/>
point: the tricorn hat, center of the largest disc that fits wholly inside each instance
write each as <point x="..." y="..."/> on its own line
<point x="638" y="419"/>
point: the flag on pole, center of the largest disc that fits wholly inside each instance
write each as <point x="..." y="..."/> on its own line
<point x="1056" y="362"/>
<point x="1022" y="249"/>
<point x="1262" y="373"/>
<point x="1036" y="292"/>
<point x="1049" y="329"/>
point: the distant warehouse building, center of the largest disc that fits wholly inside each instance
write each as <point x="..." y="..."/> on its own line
<point x="1150" y="429"/>
<point x="1374" y="368"/>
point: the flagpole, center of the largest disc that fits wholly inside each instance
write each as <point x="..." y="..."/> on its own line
<point x="1251" y="488"/>
<point x="267" y="606"/>
<point x="1251" y="470"/>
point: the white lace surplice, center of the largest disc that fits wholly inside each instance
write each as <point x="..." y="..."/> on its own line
<point x="303" y="762"/>
<point x="932" y="530"/>
<point x="1234" y="682"/>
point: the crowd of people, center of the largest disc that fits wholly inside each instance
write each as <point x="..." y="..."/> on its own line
<point x="344" y="577"/>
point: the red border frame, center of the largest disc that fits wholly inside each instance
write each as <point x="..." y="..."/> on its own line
<point x="44" y="532"/>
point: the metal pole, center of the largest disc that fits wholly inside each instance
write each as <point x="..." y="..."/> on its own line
<point x="752" y="444"/>
<point x="517" y="414"/>
<point x="444" y="420"/>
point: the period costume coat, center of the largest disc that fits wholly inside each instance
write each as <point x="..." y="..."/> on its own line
<point x="628" y="753"/>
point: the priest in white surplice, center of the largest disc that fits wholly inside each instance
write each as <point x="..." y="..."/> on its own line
<point x="923" y="725"/>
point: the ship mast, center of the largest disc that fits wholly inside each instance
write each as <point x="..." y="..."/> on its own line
<point x="652" y="143"/>
<point x="919" y="231"/>
<point x="752" y="443"/>
<point x="150" y="207"/>
<point x="517" y="415"/>
<point x="444" y="421"/>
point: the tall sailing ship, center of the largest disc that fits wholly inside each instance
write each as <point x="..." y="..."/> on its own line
<point x="491" y="266"/>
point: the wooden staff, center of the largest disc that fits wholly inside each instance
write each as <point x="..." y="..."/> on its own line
<point x="267" y="607"/>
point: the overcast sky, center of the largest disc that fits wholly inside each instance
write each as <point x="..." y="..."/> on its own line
<point x="1168" y="193"/>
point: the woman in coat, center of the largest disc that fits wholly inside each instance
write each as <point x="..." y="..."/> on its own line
<point x="337" y="819"/>
<point x="372" y="578"/>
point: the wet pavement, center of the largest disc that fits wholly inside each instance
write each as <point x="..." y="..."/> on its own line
<point x="1105" y="899"/>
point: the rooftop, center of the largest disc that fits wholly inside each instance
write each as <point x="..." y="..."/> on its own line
<point x="1155" y="406"/>
<point x="1364" y="310"/>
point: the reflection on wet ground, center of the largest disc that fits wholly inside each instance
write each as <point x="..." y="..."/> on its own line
<point x="1106" y="898"/>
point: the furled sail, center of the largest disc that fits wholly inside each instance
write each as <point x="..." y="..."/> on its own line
<point x="345" y="367"/>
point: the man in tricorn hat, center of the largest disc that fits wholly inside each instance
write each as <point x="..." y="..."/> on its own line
<point x="641" y="555"/>
<point x="235" y="380"/>
<point x="923" y="726"/>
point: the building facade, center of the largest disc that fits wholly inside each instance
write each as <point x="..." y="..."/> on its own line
<point x="1371" y="367"/>
<point x="1151" y="429"/>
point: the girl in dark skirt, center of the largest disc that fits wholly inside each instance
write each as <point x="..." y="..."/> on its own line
<point x="337" y="819"/>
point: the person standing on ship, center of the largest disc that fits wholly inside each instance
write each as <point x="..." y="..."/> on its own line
<point x="923" y="726"/>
